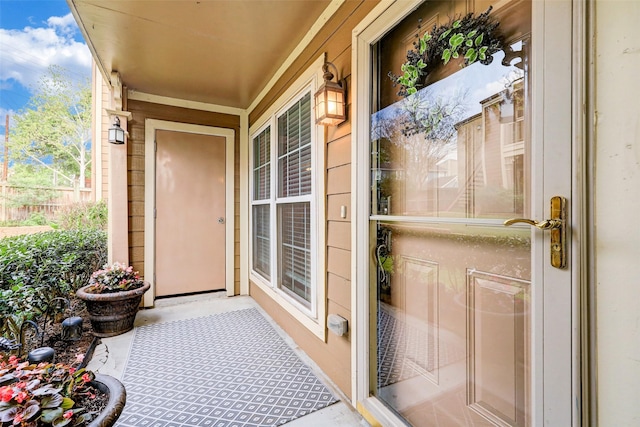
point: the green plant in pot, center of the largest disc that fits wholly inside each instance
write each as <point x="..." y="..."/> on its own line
<point x="57" y="395"/>
<point x="112" y="298"/>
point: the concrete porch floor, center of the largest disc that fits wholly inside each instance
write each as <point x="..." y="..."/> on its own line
<point x="111" y="355"/>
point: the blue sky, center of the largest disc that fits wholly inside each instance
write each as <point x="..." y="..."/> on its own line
<point x="35" y="34"/>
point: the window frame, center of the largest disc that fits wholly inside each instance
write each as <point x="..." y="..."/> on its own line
<point x="313" y="317"/>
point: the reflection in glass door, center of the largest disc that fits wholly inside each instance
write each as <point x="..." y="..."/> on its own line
<point x="449" y="163"/>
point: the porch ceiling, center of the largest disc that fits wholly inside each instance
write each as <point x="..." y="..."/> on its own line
<point x="221" y="52"/>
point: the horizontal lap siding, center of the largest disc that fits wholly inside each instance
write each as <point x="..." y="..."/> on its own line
<point x="334" y="356"/>
<point x="135" y="159"/>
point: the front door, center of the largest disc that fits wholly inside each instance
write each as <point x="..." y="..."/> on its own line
<point x="471" y="323"/>
<point x="190" y="213"/>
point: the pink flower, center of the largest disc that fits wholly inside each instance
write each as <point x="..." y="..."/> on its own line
<point x="79" y="357"/>
<point x="6" y="393"/>
<point x="86" y="378"/>
<point x="13" y="359"/>
<point x="21" y="397"/>
<point x="18" y="418"/>
<point x="68" y="414"/>
<point x="72" y="370"/>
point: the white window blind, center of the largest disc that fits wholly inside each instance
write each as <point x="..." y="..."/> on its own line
<point x="261" y="216"/>
<point x="262" y="165"/>
<point x="295" y="249"/>
<point x="294" y="200"/>
<point x="294" y="149"/>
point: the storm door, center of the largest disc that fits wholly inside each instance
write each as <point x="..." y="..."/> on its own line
<point x="471" y="323"/>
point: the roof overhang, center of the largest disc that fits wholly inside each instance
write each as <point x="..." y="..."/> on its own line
<point x="221" y="52"/>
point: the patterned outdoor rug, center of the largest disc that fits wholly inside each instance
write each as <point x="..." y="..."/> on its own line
<point x="228" y="369"/>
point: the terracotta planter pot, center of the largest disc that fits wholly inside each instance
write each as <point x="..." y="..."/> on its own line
<point x="117" y="399"/>
<point x="113" y="313"/>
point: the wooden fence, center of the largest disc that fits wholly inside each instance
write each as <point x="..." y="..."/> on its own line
<point x="12" y="207"/>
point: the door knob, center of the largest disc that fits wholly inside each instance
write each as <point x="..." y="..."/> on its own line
<point x="558" y="226"/>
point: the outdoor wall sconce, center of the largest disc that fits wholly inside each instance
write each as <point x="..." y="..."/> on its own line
<point x="116" y="133"/>
<point x="330" y="99"/>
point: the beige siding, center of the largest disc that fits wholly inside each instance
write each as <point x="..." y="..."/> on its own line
<point x="104" y="145"/>
<point x="334" y="355"/>
<point x="135" y="152"/>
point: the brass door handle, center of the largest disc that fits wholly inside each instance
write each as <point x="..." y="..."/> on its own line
<point x="547" y="224"/>
<point x="558" y="226"/>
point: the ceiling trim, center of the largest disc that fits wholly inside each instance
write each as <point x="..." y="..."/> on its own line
<point x="185" y="103"/>
<point x="313" y="31"/>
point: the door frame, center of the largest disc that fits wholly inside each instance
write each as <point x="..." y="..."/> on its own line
<point x="151" y="126"/>
<point x="555" y="401"/>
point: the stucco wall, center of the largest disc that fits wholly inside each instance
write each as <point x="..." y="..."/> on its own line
<point x="617" y="198"/>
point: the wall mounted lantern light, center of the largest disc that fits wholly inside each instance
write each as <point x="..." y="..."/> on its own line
<point x="116" y="133"/>
<point x="330" y="99"/>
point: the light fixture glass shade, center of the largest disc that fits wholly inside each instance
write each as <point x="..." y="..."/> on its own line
<point x="330" y="104"/>
<point x="116" y="133"/>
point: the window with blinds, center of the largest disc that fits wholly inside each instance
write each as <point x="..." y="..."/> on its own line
<point x="294" y="150"/>
<point x="282" y="201"/>
<point x="294" y="260"/>
<point x="261" y="217"/>
<point x="294" y="199"/>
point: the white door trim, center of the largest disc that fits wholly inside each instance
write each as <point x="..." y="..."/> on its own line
<point x="556" y="392"/>
<point x="151" y="126"/>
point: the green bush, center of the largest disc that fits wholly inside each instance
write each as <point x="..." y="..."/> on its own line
<point x="36" y="218"/>
<point x="83" y="216"/>
<point x="38" y="267"/>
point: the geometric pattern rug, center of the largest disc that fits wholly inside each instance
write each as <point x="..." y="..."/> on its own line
<point x="225" y="370"/>
<point x="406" y="351"/>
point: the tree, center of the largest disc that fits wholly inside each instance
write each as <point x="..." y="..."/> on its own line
<point x="54" y="130"/>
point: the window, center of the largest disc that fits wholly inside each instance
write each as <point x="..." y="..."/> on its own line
<point x="294" y="200"/>
<point x="261" y="198"/>
<point x="287" y="205"/>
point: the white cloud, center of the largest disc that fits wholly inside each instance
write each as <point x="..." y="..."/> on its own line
<point x="64" y="22"/>
<point x="27" y="53"/>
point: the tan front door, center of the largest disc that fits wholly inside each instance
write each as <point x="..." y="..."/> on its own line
<point x="190" y="213"/>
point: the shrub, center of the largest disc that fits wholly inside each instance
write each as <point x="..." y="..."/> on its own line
<point x="39" y="267"/>
<point x="36" y="218"/>
<point x="83" y="216"/>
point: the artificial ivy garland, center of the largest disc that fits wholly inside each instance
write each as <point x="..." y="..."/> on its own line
<point x="475" y="38"/>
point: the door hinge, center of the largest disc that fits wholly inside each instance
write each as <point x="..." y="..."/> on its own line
<point x="155" y="212"/>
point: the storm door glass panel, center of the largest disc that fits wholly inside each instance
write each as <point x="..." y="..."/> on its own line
<point x="449" y="164"/>
<point x="260" y="215"/>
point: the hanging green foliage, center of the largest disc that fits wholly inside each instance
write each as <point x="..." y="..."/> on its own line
<point x="474" y="38"/>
